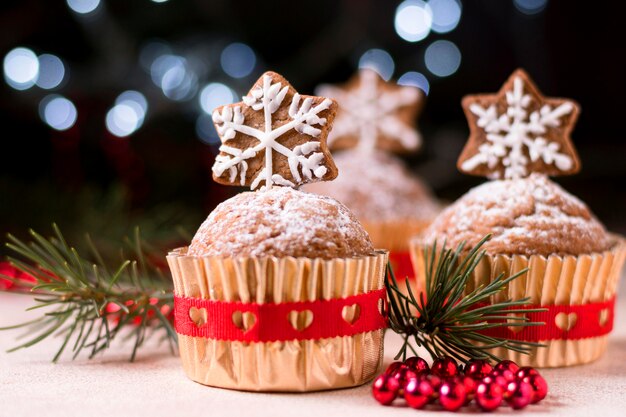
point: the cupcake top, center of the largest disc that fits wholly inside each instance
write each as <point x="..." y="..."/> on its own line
<point x="525" y="216"/>
<point x="281" y="222"/>
<point x="378" y="187"/>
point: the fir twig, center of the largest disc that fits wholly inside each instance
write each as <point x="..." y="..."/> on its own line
<point x="85" y="303"/>
<point x="447" y="321"/>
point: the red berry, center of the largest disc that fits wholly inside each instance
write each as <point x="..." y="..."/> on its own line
<point x="417" y="364"/>
<point x="497" y="379"/>
<point x="385" y="389"/>
<point x="539" y="385"/>
<point x="444" y="367"/>
<point x="435" y="381"/>
<point x="470" y="387"/>
<point x="477" y="368"/>
<point x="452" y="394"/>
<point x="393" y="367"/>
<point x="418" y="392"/>
<point x="506" y="365"/>
<point x="506" y="374"/>
<point x="403" y="374"/>
<point x="488" y="395"/>
<point x="521" y="394"/>
<point x="526" y="371"/>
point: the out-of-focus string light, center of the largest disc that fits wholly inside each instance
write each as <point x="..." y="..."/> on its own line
<point x="51" y="71"/>
<point x="378" y="60"/>
<point x="446" y="15"/>
<point x="122" y="120"/>
<point x="413" y="20"/>
<point x="171" y="73"/>
<point x="530" y="7"/>
<point x="206" y="130"/>
<point x="238" y="60"/>
<point x="58" y="112"/>
<point x="137" y="101"/>
<point x="214" y="95"/>
<point x="151" y="51"/>
<point x="442" y="58"/>
<point x="415" y="79"/>
<point x="83" y="6"/>
<point x="21" y="68"/>
<point x="159" y="1"/>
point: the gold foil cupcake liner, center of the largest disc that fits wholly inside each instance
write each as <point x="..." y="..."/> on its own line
<point x="552" y="280"/>
<point x="292" y="365"/>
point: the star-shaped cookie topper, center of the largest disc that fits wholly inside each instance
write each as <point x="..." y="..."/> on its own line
<point x="518" y="131"/>
<point x="274" y="137"/>
<point x="375" y="114"/>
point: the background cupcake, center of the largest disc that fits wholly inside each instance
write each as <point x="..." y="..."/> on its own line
<point x="573" y="263"/>
<point x="375" y="119"/>
<point x="280" y="290"/>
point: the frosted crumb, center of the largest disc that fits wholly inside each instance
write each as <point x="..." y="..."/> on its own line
<point x="525" y="216"/>
<point x="281" y="222"/>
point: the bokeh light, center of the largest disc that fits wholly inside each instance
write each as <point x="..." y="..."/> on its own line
<point x="122" y="120"/>
<point x="21" y="68"/>
<point x="530" y="7"/>
<point x="446" y="15"/>
<point x="413" y="20"/>
<point x="172" y="75"/>
<point x="442" y="58"/>
<point x="378" y="60"/>
<point x="58" y="112"/>
<point x="215" y="95"/>
<point x="238" y="60"/>
<point x="151" y="51"/>
<point x="51" y="71"/>
<point x="206" y="130"/>
<point x="415" y="79"/>
<point x="83" y="6"/>
<point x="136" y="101"/>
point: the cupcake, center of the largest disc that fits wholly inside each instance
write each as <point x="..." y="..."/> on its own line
<point x="392" y="204"/>
<point x="279" y="290"/>
<point x="573" y="264"/>
<point x="375" y="120"/>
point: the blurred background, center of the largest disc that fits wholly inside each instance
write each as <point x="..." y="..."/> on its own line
<point x="105" y="104"/>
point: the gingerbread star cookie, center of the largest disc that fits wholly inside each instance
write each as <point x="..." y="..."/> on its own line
<point x="519" y="131"/>
<point x="375" y="114"/>
<point x="274" y="137"/>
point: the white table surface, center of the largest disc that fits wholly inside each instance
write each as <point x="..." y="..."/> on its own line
<point x="155" y="385"/>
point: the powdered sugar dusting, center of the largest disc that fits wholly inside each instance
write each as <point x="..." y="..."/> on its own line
<point x="281" y="222"/>
<point x="378" y="187"/>
<point x="526" y="216"/>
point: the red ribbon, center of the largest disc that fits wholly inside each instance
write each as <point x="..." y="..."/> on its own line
<point x="562" y="322"/>
<point x="272" y="320"/>
<point x="401" y="265"/>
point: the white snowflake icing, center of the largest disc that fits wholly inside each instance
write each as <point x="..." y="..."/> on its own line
<point x="305" y="163"/>
<point x="368" y="111"/>
<point x="509" y="134"/>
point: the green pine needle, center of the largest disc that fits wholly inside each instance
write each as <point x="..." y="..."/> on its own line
<point x="445" y="320"/>
<point x="75" y="290"/>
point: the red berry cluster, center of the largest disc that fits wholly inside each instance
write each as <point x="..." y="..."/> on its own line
<point x="454" y="386"/>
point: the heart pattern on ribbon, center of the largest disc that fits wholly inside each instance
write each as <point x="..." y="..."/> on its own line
<point x="244" y="320"/>
<point x="300" y="320"/>
<point x="198" y="315"/>
<point x="351" y="313"/>
<point x="565" y="321"/>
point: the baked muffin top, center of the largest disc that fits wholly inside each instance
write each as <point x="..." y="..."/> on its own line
<point x="525" y="216"/>
<point x="281" y="222"/>
<point x="378" y="187"/>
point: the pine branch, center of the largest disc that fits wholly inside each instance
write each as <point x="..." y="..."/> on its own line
<point x="87" y="302"/>
<point x="446" y="321"/>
